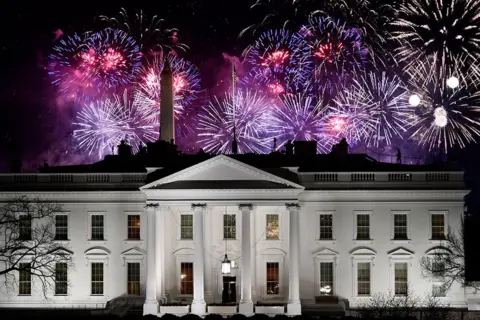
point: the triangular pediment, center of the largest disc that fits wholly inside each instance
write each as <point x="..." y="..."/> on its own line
<point x="400" y="252"/>
<point x="135" y="251"/>
<point x="221" y="172"/>
<point x="325" y="252"/>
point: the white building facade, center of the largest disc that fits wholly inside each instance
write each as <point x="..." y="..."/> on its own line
<point x="347" y="235"/>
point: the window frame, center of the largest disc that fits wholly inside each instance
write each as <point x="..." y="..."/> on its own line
<point x="20" y="281"/>
<point x="189" y="213"/>
<point x="355" y="225"/>
<point x="66" y="281"/>
<point x="105" y="226"/>
<point x="98" y="255"/>
<point x="234" y="226"/>
<point x="128" y="263"/>
<point x="267" y="281"/>
<point x="392" y="224"/>
<point x="18" y="216"/>
<point x="445" y="225"/>
<point x="69" y="237"/>
<point x="266" y="224"/>
<point x="180" y="278"/>
<point x="400" y="255"/>
<point x="140" y="235"/>
<point x="363" y="255"/>
<point x="277" y="256"/>
<point x="325" y="255"/>
<point x="318" y="228"/>
<point x="103" y="294"/>
<point x="395" y="278"/>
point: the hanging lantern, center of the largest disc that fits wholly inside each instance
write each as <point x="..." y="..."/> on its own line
<point x="226" y="265"/>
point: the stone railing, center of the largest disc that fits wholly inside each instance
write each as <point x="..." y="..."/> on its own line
<point x="73" y="178"/>
<point x="430" y="179"/>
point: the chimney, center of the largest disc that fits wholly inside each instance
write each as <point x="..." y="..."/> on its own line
<point x="167" y="117"/>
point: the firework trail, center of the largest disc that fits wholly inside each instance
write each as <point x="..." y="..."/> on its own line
<point x="103" y="124"/>
<point x="243" y="115"/>
<point x="151" y="34"/>
<point x="297" y="117"/>
<point x="383" y="100"/>
<point x="335" y="54"/>
<point x="448" y="111"/>
<point x="186" y="89"/>
<point x="446" y="29"/>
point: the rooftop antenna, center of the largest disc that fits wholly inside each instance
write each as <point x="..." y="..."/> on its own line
<point x="234" y="82"/>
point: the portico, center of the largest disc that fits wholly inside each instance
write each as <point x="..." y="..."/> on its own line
<point x="244" y="192"/>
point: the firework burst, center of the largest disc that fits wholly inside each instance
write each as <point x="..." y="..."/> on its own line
<point x="448" y="113"/>
<point x="383" y="100"/>
<point x="102" y="125"/>
<point x="150" y="33"/>
<point x="242" y="116"/>
<point x="443" y="28"/>
<point x="68" y="69"/>
<point x="335" y="53"/>
<point x="186" y="88"/>
<point x="297" y="117"/>
<point x="111" y="59"/>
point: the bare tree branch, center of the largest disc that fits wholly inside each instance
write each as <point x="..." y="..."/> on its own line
<point x="27" y="243"/>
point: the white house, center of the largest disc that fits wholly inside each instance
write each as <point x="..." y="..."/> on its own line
<point x="294" y="232"/>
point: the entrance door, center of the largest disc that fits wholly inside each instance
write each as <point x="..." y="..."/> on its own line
<point x="326" y="278"/>
<point x="229" y="292"/>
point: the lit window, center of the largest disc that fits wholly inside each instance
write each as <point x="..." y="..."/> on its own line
<point x="25" y="227"/>
<point x="61" y="227"/>
<point x="326" y="227"/>
<point x="133" y="227"/>
<point x="97" y="227"/>
<point x="24" y="279"/>
<point x="186" y="278"/>
<point x="401" y="278"/>
<point x="61" y="278"/>
<point x="400" y="227"/>
<point x="273" y="278"/>
<point x="363" y="278"/>
<point x="133" y="278"/>
<point x="97" y="278"/>
<point x="229" y="226"/>
<point x="186" y="225"/>
<point x="326" y="278"/>
<point x="363" y="227"/>
<point x="272" y="227"/>
<point x="438" y="226"/>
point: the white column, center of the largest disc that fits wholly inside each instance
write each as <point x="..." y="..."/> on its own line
<point x="151" y="304"/>
<point x="246" y="303"/>
<point x="198" y="303"/>
<point x="294" y="307"/>
<point x="160" y="251"/>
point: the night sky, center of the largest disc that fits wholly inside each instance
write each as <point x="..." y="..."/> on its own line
<point x="29" y="121"/>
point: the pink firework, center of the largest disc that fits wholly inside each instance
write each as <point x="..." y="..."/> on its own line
<point x="275" y="59"/>
<point x="276" y="88"/>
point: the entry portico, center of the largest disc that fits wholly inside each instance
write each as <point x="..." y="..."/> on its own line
<point x="219" y="183"/>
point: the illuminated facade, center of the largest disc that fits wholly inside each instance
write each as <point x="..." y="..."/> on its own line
<point x="295" y="234"/>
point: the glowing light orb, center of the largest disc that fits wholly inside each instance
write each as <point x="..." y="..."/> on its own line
<point x="440" y="115"/>
<point x="414" y="100"/>
<point x="452" y="82"/>
<point x="337" y="124"/>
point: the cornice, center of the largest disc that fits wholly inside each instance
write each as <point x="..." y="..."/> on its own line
<point x="81" y="197"/>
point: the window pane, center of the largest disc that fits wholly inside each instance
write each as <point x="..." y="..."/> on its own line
<point x="326" y="278"/>
<point x="97" y="278"/>
<point x="363" y="227"/>
<point x="133" y="278"/>
<point x="438" y="290"/>
<point x="25" y="227"/>
<point x="272" y="228"/>
<point x="401" y="278"/>
<point x="186" y="226"/>
<point x="400" y="226"/>
<point x="61" y="227"/>
<point x="133" y="227"/>
<point x="61" y="278"/>
<point x="363" y="278"/>
<point x="273" y="278"/>
<point x="186" y="278"/>
<point x="24" y="279"/>
<point x="229" y="226"/>
<point x="326" y="227"/>
<point x="438" y="226"/>
<point x="97" y="227"/>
